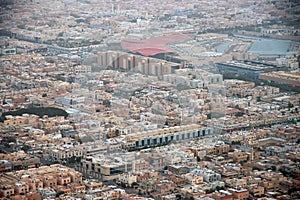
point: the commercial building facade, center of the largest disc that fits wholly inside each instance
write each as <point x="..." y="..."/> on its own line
<point x="166" y="135"/>
<point x="250" y="69"/>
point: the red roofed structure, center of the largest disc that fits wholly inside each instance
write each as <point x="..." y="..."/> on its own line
<point x="153" y="46"/>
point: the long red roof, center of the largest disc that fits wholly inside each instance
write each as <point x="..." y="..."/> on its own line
<point x="154" y="45"/>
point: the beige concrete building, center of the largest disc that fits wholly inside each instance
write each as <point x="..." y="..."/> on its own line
<point x="289" y="78"/>
<point x="55" y="177"/>
<point x="136" y="63"/>
<point x="160" y="136"/>
<point x="127" y="179"/>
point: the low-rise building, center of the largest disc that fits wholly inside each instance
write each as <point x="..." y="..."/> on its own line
<point x="207" y="174"/>
<point x="257" y="191"/>
<point x="46" y="180"/>
<point x="222" y="195"/>
<point x="127" y="179"/>
<point x="288" y="78"/>
<point x="239" y="156"/>
<point x="239" y="194"/>
<point x="160" y="136"/>
<point x="177" y="169"/>
<point x="193" y="178"/>
<point x="18" y="160"/>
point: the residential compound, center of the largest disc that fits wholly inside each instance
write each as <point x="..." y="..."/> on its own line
<point x="18" y="160"/>
<point x="149" y="99"/>
<point x="194" y="78"/>
<point x="135" y="63"/>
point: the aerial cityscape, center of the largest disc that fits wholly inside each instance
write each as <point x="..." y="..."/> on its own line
<point x="149" y="99"/>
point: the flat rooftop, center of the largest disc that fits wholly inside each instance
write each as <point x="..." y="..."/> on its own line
<point x="251" y="65"/>
<point x="154" y="45"/>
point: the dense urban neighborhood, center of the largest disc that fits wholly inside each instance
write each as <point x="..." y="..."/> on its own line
<point x="149" y="99"/>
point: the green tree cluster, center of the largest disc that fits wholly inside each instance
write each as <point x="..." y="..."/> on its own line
<point x="49" y="111"/>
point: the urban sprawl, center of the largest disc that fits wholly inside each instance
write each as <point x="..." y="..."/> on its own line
<point x="149" y="99"/>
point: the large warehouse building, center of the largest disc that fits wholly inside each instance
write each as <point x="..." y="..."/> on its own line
<point x="251" y="69"/>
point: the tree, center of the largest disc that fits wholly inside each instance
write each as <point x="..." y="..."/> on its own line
<point x="134" y="185"/>
<point x="72" y="160"/>
<point x="49" y="111"/>
<point x="26" y="147"/>
<point x="107" y="103"/>
<point x="219" y="188"/>
<point x="78" y="159"/>
<point x="274" y="168"/>
<point x="210" y="191"/>
<point x="209" y="116"/>
<point x="292" y="190"/>
<point x="236" y="142"/>
<point x="60" y="34"/>
<point x="239" y="114"/>
<point x="181" y="87"/>
<point x="178" y="197"/>
<point x="59" y="193"/>
<point x="10" y="139"/>
<point x="255" y="168"/>
<point x="290" y="105"/>
<point x="7" y="145"/>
